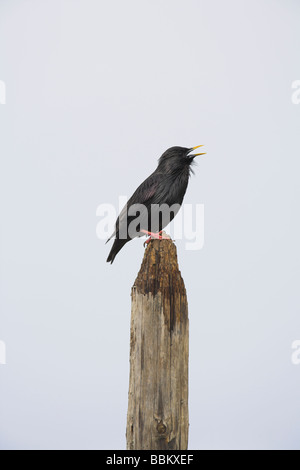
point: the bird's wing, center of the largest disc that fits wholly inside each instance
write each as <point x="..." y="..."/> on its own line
<point x="147" y="193"/>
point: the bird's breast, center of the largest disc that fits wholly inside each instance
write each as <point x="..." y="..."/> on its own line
<point x="177" y="189"/>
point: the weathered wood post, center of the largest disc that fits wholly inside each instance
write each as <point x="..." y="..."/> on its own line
<point x="159" y="347"/>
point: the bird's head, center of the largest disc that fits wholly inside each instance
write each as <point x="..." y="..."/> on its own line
<point x="177" y="159"/>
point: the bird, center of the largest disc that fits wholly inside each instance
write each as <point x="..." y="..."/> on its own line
<point x="156" y="201"/>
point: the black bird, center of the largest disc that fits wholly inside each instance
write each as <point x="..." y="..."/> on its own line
<point x="147" y="212"/>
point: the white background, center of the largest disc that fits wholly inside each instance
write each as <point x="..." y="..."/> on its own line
<point x="96" y="91"/>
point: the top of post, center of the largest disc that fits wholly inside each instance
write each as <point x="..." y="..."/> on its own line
<point x="159" y="269"/>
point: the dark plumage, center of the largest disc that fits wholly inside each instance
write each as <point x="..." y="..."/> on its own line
<point x="167" y="185"/>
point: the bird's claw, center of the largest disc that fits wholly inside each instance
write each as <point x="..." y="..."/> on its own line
<point x="147" y="241"/>
<point x="159" y="236"/>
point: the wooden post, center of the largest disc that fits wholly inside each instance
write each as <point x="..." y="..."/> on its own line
<point x="159" y="346"/>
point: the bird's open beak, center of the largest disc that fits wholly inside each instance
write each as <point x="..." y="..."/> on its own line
<point x="195" y="154"/>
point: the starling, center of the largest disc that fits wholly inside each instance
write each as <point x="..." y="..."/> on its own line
<point x="156" y="201"/>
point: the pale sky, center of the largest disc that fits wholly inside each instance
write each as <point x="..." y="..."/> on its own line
<point x="96" y="91"/>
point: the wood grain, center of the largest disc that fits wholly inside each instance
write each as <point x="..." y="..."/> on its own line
<point x="159" y="347"/>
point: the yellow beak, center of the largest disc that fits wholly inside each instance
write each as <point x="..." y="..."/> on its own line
<point x="196" y="154"/>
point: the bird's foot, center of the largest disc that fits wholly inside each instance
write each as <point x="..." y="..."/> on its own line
<point x="147" y="241"/>
<point x="159" y="236"/>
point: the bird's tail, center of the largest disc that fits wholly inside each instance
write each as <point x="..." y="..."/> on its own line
<point x="112" y="235"/>
<point x="117" y="246"/>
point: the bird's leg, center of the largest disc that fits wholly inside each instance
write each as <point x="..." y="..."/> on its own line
<point x="147" y="241"/>
<point x="152" y="234"/>
<point x="159" y="236"/>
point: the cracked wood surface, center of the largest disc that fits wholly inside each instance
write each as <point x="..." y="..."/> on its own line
<point x="157" y="416"/>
